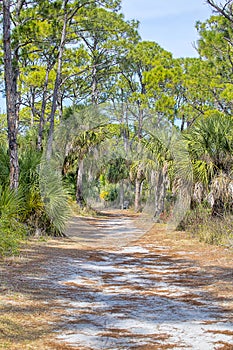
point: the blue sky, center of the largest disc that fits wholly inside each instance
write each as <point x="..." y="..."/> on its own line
<point x="170" y="23"/>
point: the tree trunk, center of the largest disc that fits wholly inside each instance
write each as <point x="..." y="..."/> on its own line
<point x="182" y="123"/>
<point x="60" y="106"/>
<point x="33" y="109"/>
<point x="57" y="81"/>
<point x="79" y="184"/>
<point x="43" y="108"/>
<point x="160" y="192"/>
<point x="122" y="194"/>
<point x="140" y="177"/>
<point x="218" y="209"/>
<point x="137" y="195"/>
<point x="125" y="124"/>
<point x="10" y="77"/>
<point x="94" y="87"/>
<point x="140" y="121"/>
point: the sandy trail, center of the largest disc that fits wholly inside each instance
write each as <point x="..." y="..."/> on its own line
<point x="140" y="296"/>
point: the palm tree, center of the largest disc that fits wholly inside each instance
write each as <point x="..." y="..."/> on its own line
<point x="168" y="170"/>
<point x="210" y="144"/>
<point x="87" y="130"/>
<point x="117" y="172"/>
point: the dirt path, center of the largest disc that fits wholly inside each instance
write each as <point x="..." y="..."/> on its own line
<point x="160" y="291"/>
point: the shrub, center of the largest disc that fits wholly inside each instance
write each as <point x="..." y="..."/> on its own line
<point x="217" y="231"/>
<point x="12" y="231"/>
<point x="11" y="234"/>
<point x="200" y="223"/>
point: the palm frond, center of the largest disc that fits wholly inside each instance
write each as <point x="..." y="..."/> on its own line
<point x="55" y="197"/>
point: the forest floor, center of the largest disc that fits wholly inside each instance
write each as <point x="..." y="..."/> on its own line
<point x="114" y="285"/>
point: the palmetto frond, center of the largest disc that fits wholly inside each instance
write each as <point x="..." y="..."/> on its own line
<point x="11" y="203"/>
<point x="210" y="144"/>
<point x="55" y="197"/>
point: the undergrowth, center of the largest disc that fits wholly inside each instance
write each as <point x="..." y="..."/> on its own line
<point x="12" y="234"/>
<point x="208" y="229"/>
<point x="82" y="211"/>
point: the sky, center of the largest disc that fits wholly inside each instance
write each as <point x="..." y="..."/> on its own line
<point x="170" y="23"/>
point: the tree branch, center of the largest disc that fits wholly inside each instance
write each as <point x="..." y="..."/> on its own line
<point x="223" y="10"/>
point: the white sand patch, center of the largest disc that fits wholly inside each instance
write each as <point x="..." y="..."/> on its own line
<point x="134" y="250"/>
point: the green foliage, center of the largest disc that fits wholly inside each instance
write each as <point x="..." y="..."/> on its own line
<point x="33" y="205"/>
<point x="29" y="165"/>
<point x="55" y="197"/>
<point x="215" y="49"/>
<point x="217" y="232"/>
<point x="210" y="144"/>
<point x="109" y="194"/>
<point x="57" y="207"/>
<point x="11" y="210"/>
<point x="118" y="169"/>
<point x="12" y="232"/>
<point x="11" y="203"/>
<point x="4" y="166"/>
<point x="102" y="180"/>
<point x="194" y="219"/>
<point x="26" y="208"/>
<point x="3" y="126"/>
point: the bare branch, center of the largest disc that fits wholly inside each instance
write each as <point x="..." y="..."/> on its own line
<point x="224" y="10"/>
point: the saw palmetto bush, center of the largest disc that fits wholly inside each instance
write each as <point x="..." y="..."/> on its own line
<point x="25" y="211"/>
<point x="210" y="144"/>
<point x="4" y="166"/>
<point x="11" y="209"/>
<point x="29" y="184"/>
<point x="45" y="199"/>
<point x="12" y="230"/>
<point x="55" y="198"/>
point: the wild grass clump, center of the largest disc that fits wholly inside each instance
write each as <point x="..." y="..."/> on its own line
<point x="12" y="231"/>
<point x="208" y="229"/>
<point x="82" y="211"/>
<point x="217" y="231"/>
<point x="11" y="235"/>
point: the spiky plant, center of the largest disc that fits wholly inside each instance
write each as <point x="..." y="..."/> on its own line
<point x="11" y="229"/>
<point x="45" y="199"/>
<point x="4" y="166"/>
<point x="210" y="144"/>
<point x="55" y="198"/>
